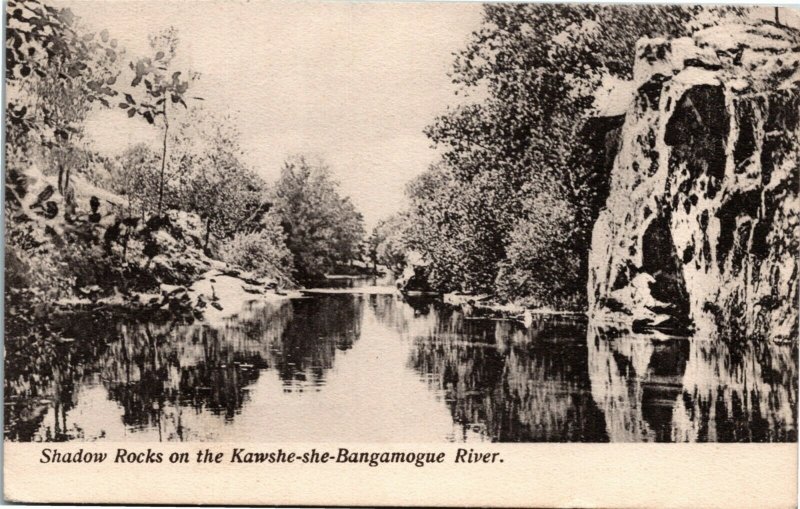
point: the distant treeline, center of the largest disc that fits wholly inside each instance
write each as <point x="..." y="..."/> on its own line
<point x="508" y="209"/>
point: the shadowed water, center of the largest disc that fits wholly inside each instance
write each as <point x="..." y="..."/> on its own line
<point x="376" y="367"/>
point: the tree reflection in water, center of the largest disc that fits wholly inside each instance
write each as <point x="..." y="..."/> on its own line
<point x="155" y="368"/>
<point x="507" y="383"/>
<point x="118" y="376"/>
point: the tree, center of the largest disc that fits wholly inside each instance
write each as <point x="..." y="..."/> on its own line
<point x="263" y="251"/>
<point x="387" y="244"/>
<point x="162" y="88"/>
<point x="456" y="230"/>
<point x="211" y="179"/>
<point x="323" y="228"/>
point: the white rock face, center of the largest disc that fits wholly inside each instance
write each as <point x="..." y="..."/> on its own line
<point x="701" y="223"/>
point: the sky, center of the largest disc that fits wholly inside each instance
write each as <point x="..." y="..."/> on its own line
<point x="352" y="83"/>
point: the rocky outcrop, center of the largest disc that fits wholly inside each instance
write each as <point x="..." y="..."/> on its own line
<point x="105" y="256"/>
<point x="701" y="224"/>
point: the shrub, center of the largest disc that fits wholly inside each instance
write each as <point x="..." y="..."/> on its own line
<point x="262" y="252"/>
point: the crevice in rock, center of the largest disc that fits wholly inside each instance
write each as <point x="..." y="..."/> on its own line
<point x="733" y="231"/>
<point x="745" y="146"/>
<point x="698" y="131"/>
<point x="660" y="259"/>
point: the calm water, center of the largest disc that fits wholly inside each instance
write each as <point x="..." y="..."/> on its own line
<point x="372" y="367"/>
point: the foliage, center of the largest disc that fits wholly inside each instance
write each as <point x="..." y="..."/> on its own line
<point x="453" y="229"/>
<point x="537" y="270"/>
<point x="528" y="77"/>
<point x="55" y="73"/>
<point x="263" y="252"/>
<point x="162" y="88"/>
<point x="386" y="244"/>
<point x="210" y="178"/>
<point x="47" y="55"/>
<point x="323" y="228"/>
<point x="135" y="176"/>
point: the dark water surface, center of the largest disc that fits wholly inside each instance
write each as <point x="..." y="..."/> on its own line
<point x="374" y="367"/>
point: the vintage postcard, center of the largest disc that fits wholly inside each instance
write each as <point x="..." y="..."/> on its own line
<point x="407" y="254"/>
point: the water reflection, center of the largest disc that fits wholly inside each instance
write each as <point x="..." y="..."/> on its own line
<point x="503" y="382"/>
<point x="371" y="367"/>
<point x="666" y="389"/>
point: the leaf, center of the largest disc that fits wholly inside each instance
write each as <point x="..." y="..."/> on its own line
<point x="149" y="117"/>
<point x="104" y="35"/>
<point x="159" y="55"/>
<point x="136" y="81"/>
<point x="124" y="106"/>
<point x="111" y="80"/>
<point x="129" y="98"/>
<point x="131" y="112"/>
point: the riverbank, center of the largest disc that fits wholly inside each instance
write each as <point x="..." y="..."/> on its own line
<point x="485" y="306"/>
<point x="95" y="254"/>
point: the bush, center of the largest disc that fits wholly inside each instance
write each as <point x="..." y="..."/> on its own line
<point x="263" y="252"/>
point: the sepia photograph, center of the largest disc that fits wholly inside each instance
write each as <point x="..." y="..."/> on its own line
<point x="423" y="223"/>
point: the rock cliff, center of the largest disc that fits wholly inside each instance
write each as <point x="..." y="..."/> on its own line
<point x="701" y="224"/>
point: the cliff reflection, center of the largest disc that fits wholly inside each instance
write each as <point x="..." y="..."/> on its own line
<point x="736" y="393"/>
<point x="657" y="388"/>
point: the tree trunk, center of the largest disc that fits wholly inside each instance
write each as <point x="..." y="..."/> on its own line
<point x="163" y="161"/>
<point x="208" y="234"/>
<point x="127" y="231"/>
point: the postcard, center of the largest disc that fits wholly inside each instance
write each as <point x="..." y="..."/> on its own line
<point x="401" y="254"/>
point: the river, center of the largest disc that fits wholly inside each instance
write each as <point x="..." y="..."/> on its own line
<point x="363" y="365"/>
